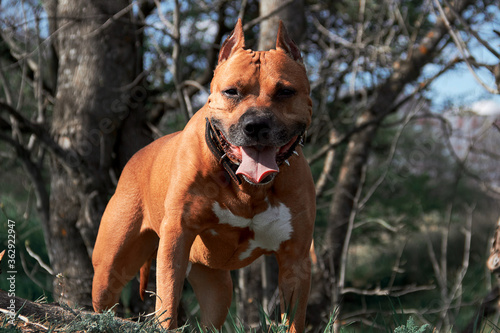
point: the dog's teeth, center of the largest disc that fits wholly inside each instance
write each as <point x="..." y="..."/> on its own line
<point x="301" y="144"/>
<point x="295" y="152"/>
<point x="287" y="163"/>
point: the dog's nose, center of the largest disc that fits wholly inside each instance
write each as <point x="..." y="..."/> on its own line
<point x="257" y="127"/>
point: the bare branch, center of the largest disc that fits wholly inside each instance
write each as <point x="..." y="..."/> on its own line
<point x="327" y="166"/>
<point x="397" y="104"/>
<point x="467" y="231"/>
<point x="38" y="259"/>
<point x="490" y="188"/>
<point x="359" y="38"/>
<point x="350" y="227"/>
<point x="390" y="157"/>
<point x="195" y="84"/>
<point x="381" y="222"/>
<point x="110" y="20"/>
<point x="243" y="5"/>
<point x="395" y="268"/>
<point x="35" y="174"/>
<point x="462" y="48"/>
<point x="496" y="124"/>
<point x="32" y="71"/>
<point x="435" y="265"/>
<point x="393" y="292"/>
<point x="171" y="27"/>
<point x="30" y="273"/>
<point x="6" y="87"/>
<point x="65" y="156"/>
<point x="472" y="31"/>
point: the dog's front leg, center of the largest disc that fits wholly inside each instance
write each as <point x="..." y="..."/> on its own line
<point x="294" y="284"/>
<point x="172" y="262"/>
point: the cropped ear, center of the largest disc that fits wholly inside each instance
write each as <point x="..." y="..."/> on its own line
<point x="235" y="41"/>
<point x="287" y="44"/>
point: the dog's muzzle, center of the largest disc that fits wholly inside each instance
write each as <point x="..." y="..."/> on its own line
<point x="257" y="164"/>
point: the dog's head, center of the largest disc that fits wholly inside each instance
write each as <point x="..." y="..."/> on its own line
<point x="259" y="104"/>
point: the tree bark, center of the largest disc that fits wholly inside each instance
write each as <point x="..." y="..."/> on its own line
<point x="96" y="103"/>
<point x="38" y="311"/>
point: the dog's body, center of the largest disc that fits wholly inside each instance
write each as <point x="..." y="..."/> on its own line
<point x="175" y="200"/>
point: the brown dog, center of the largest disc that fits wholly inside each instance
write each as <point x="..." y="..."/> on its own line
<point x="230" y="187"/>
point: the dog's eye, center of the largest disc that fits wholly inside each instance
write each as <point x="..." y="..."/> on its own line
<point x="231" y="92"/>
<point x="285" y="92"/>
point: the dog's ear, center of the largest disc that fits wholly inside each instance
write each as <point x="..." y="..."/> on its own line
<point x="235" y="41"/>
<point x="284" y="42"/>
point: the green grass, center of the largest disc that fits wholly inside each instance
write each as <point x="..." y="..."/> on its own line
<point x="108" y="323"/>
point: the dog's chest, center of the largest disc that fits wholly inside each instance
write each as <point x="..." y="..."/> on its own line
<point x="270" y="228"/>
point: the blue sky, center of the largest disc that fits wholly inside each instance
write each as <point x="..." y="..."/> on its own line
<point x="458" y="88"/>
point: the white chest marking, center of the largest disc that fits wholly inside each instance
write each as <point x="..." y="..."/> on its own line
<point x="271" y="227"/>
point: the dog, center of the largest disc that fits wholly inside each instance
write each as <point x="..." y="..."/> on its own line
<point x="232" y="186"/>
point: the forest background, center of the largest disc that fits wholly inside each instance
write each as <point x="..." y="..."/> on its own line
<point x="404" y="144"/>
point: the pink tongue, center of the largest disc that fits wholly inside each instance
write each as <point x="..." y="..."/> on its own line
<point x="257" y="164"/>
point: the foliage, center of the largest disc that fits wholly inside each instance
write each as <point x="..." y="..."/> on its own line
<point x="411" y="327"/>
<point x="31" y="280"/>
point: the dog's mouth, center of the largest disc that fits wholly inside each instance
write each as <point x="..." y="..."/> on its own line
<point x="258" y="164"/>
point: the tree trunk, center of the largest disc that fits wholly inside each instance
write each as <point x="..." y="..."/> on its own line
<point x="291" y="12"/>
<point x="95" y="105"/>
<point x="358" y="149"/>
